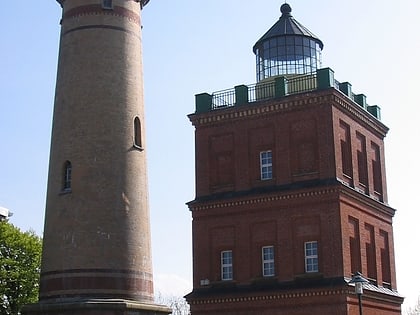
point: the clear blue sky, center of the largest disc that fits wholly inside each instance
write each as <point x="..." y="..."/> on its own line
<point x="194" y="46"/>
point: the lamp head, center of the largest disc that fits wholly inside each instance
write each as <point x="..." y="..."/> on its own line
<point x="358" y="281"/>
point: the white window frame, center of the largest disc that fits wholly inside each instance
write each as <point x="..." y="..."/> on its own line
<point x="267" y="255"/>
<point x="266" y="165"/>
<point x="226" y="262"/>
<point x="107" y="4"/>
<point x="311" y="257"/>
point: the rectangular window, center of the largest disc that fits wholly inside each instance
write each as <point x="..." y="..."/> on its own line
<point x="226" y="265"/>
<point x="107" y="4"/>
<point x="268" y="261"/>
<point x="311" y="256"/>
<point x="266" y="165"/>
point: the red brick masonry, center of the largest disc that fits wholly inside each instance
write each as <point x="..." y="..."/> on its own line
<point x="96" y="282"/>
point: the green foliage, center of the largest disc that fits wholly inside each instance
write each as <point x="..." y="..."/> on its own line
<point x="20" y="261"/>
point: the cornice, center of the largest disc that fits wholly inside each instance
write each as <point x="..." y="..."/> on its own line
<point x="237" y="202"/>
<point x="269" y="297"/>
<point x="256" y="109"/>
<point x="372" y="292"/>
<point x="257" y="198"/>
<point x="345" y="104"/>
<point x="370" y="202"/>
<point x="330" y="96"/>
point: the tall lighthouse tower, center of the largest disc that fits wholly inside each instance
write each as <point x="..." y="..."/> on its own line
<point x="97" y="252"/>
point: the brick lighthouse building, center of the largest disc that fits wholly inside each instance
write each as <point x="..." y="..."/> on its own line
<point x="291" y="197"/>
<point x="96" y="247"/>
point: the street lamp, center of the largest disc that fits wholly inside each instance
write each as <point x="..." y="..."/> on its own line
<point x="358" y="281"/>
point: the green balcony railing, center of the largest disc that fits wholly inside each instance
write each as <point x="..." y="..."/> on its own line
<point x="279" y="87"/>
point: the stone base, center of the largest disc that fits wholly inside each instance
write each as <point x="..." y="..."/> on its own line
<point x="95" y="307"/>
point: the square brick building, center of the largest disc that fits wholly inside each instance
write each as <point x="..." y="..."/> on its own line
<point x="291" y="197"/>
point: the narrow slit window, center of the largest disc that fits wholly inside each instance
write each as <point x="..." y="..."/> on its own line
<point x="362" y="159"/>
<point x="385" y="259"/>
<point x="376" y="167"/>
<point x="370" y="246"/>
<point x="346" y="155"/>
<point x="67" y="176"/>
<point x="354" y="241"/>
<point x="137" y="133"/>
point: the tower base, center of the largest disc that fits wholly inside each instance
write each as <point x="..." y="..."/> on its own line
<point x="95" y="307"/>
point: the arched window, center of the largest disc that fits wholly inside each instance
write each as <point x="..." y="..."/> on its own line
<point x="67" y="176"/>
<point x="137" y="133"/>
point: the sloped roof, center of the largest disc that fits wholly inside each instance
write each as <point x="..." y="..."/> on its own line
<point x="286" y="26"/>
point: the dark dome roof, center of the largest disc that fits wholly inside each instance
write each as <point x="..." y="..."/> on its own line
<point x="287" y="26"/>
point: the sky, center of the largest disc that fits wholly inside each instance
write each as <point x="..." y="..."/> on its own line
<point x="195" y="46"/>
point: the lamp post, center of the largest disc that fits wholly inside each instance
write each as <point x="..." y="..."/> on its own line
<point x="358" y="281"/>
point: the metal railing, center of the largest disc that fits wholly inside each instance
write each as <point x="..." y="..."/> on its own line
<point x="279" y="87"/>
<point x="262" y="91"/>
<point x="223" y="98"/>
<point x="301" y="84"/>
<point x="265" y="90"/>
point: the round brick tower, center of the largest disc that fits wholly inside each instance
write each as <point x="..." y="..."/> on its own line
<point x="97" y="237"/>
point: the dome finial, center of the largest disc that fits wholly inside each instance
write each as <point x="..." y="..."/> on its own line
<point x="285" y="9"/>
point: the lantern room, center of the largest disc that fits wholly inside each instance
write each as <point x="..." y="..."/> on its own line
<point x="288" y="48"/>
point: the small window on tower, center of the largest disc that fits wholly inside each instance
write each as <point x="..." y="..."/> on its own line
<point x="107" y="4"/>
<point x="137" y="134"/>
<point x="67" y="176"/>
<point x="266" y="165"/>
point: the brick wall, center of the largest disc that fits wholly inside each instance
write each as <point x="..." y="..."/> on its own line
<point x="318" y="142"/>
